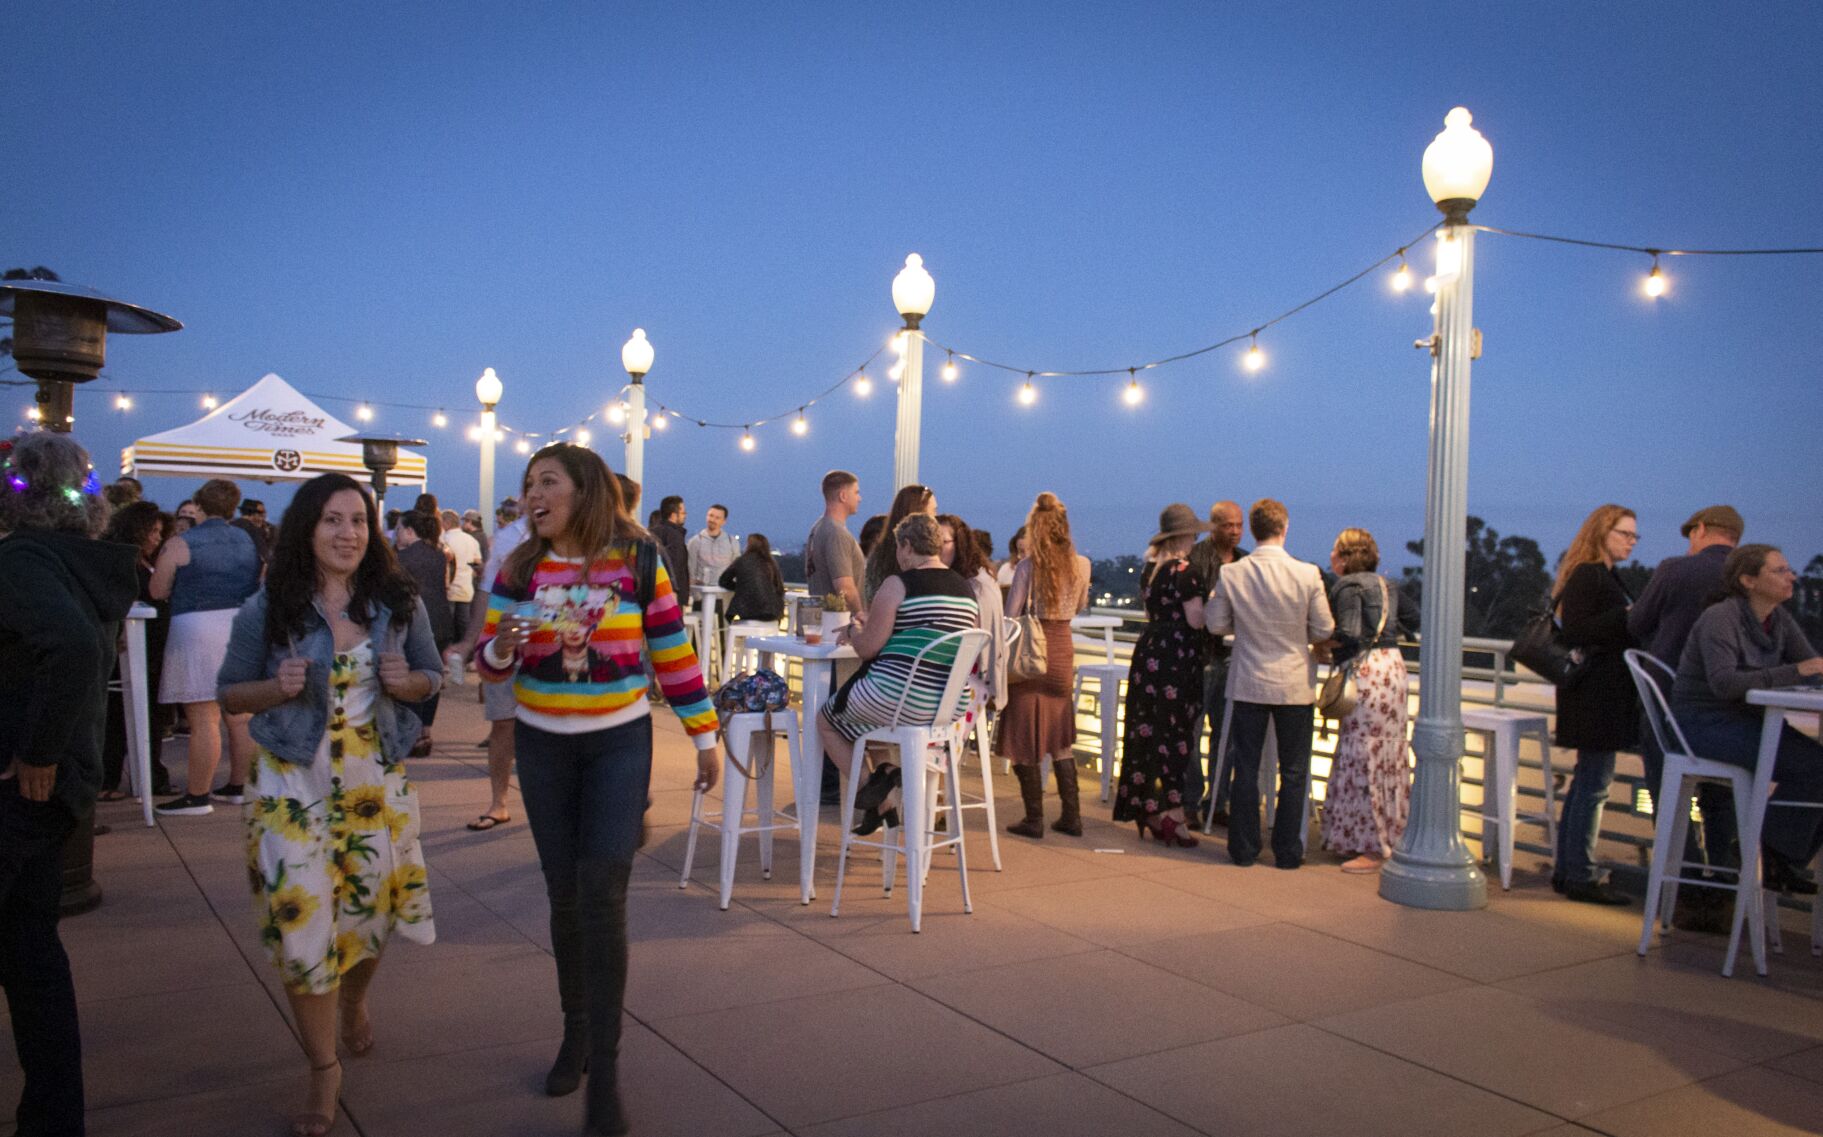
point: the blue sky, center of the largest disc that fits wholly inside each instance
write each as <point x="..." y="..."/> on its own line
<point x="381" y="200"/>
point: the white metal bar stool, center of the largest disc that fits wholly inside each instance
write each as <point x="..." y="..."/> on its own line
<point x="918" y="775"/>
<point x="742" y="767"/>
<point x="735" y="656"/>
<point x="1106" y="693"/>
<point x="983" y="730"/>
<point x="1501" y="730"/>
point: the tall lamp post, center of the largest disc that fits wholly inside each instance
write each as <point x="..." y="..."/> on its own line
<point x="913" y="291"/>
<point x="488" y="390"/>
<point x="636" y="356"/>
<point x="1432" y="868"/>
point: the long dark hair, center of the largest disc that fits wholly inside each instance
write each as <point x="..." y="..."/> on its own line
<point x="291" y="579"/>
<point x="761" y="550"/>
<point x="598" y="521"/>
<point x="131" y="524"/>
<point x="969" y="557"/>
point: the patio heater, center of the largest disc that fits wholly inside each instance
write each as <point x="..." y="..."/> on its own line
<point x="380" y="453"/>
<point x="60" y="338"/>
<point x="1432" y="868"/>
<point x="913" y="292"/>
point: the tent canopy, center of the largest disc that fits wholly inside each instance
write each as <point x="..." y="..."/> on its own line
<point x="267" y="433"/>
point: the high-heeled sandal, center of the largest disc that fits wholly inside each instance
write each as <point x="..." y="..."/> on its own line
<point x="1171" y="834"/>
<point x="317" y="1124"/>
<point x="359" y="1042"/>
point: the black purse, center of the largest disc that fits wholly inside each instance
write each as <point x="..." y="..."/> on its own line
<point x="1540" y="647"/>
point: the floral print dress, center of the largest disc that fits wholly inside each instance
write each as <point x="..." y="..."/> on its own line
<point x="332" y="847"/>
<point x="1164" y="698"/>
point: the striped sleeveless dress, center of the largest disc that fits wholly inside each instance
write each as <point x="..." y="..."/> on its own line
<point x="937" y="601"/>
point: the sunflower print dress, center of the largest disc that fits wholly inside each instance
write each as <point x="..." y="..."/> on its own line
<point x="332" y="847"/>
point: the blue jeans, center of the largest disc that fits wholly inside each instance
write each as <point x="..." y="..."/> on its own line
<point x="1581" y="821"/>
<point x="1797" y="775"/>
<point x="34" y="970"/>
<point x="1291" y="726"/>
<point x="585" y="795"/>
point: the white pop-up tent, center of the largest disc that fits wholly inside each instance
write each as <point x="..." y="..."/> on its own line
<point x="267" y="433"/>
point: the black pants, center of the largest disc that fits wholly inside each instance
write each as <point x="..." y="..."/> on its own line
<point x="114" y="740"/>
<point x="34" y="970"/>
<point x="1291" y="725"/>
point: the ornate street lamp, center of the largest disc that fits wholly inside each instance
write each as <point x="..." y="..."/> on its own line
<point x="488" y="390"/>
<point x="636" y="356"/>
<point x="1432" y="868"/>
<point x="913" y="292"/>
<point x="60" y="335"/>
<point x="380" y="453"/>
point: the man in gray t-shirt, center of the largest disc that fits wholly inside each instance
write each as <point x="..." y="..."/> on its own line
<point x="832" y="557"/>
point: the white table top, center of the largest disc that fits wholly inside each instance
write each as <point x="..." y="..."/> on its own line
<point x="1791" y="698"/>
<point x="792" y="646"/>
<point x="1093" y="621"/>
<point x="142" y="611"/>
<point x="709" y="589"/>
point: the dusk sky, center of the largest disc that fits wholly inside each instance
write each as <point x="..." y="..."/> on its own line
<point x="380" y="200"/>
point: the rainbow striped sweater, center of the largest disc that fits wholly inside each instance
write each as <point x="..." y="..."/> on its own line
<point x="581" y="669"/>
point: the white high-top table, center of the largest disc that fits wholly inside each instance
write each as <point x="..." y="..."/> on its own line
<point x="707" y="596"/>
<point x="819" y="662"/>
<point x="137" y="699"/>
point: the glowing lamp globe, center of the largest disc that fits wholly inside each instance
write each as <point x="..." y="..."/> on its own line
<point x="636" y="354"/>
<point x="488" y="388"/>
<point x="913" y="291"/>
<point x="1457" y="165"/>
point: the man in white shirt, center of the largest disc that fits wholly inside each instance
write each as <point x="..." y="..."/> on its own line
<point x="497" y="699"/>
<point x="467" y="553"/>
<point x="713" y="548"/>
<point x="1277" y="607"/>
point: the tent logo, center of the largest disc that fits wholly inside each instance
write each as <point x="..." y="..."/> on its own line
<point x="284" y="423"/>
<point x="287" y="461"/>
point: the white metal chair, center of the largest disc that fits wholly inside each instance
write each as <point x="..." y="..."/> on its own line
<point x="1502" y="729"/>
<point x="742" y="768"/>
<point x="918" y="777"/>
<point x="1671" y="806"/>
<point x="1106" y="693"/>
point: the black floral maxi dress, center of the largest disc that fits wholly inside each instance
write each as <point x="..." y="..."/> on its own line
<point x="1164" y="698"/>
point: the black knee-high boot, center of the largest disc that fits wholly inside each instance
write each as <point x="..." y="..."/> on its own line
<point x="603" y="909"/>
<point x="1031" y="793"/>
<point x="573" y="993"/>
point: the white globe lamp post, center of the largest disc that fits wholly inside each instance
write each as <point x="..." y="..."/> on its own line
<point x="488" y="390"/>
<point x="636" y="356"/>
<point x="913" y="291"/>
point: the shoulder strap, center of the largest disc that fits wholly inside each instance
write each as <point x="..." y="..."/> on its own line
<point x="645" y="571"/>
<point x="1386" y="604"/>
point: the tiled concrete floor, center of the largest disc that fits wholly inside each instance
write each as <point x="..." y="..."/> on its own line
<point x="1101" y="986"/>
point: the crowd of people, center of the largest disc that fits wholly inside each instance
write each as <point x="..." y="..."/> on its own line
<point x="317" y="651"/>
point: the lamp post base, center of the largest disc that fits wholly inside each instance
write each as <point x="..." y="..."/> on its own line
<point x="1442" y="886"/>
<point x="1432" y="867"/>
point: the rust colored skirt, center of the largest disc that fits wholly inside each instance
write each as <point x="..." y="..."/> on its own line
<point x="1039" y="718"/>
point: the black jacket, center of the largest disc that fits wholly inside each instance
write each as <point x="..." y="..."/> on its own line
<point x="758" y="592"/>
<point x="62" y="598"/>
<point x="1600" y="711"/>
<point x="674" y="545"/>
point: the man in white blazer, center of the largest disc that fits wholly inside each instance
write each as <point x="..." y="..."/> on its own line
<point x="1276" y="607"/>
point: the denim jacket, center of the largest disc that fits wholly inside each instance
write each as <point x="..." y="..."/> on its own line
<point x="224" y="569"/>
<point x="293" y="729"/>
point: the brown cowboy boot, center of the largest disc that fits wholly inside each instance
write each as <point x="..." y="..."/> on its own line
<point x="1069" y="798"/>
<point x="1031" y="790"/>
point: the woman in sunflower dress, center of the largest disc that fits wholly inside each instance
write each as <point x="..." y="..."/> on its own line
<point x="326" y="657"/>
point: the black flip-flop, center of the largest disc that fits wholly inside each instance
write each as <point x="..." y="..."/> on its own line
<point x="485" y="822"/>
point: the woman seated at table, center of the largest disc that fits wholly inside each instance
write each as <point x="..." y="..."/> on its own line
<point x="756" y="590"/>
<point x="922" y="601"/>
<point x="1743" y="641"/>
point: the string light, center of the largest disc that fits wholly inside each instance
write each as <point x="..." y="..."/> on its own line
<point x="949" y="368"/>
<point x="123" y="403"/>
<point x="1028" y="394"/>
<point x="522" y="446"/>
<point x="863" y="385"/>
<point x="582" y="438"/>
<point x="617" y="413"/>
<point x="364" y="413"/>
<point x="659" y="421"/>
<point x="439" y="420"/>
<point x="896" y="372"/>
<point x="210" y="403"/>
<point x="747" y="439"/>
<point x="897" y="343"/>
<point x="1255" y="358"/>
<point x="1133" y="395"/>
<point x="34" y="414"/>
<point x="1655" y="280"/>
<point x="799" y="425"/>
<point x="474" y="434"/>
<point x="1402" y="280"/>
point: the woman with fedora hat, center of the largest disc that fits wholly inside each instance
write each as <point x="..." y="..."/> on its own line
<point x="1164" y="684"/>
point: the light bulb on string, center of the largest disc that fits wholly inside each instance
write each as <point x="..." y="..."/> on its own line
<point x="747" y="442"/>
<point x="474" y="434"/>
<point x="500" y="436"/>
<point x="1133" y="395"/>
<point x="617" y="413"/>
<point x="863" y="385"/>
<point x="1402" y="279"/>
<point x="522" y="446"/>
<point x="439" y="420"/>
<point x="123" y="403"/>
<point x="1656" y="283"/>
<point x="364" y="413"/>
<point x="949" y="369"/>
<point x="210" y="402"/>
<point x="800" y="425"/>
<point x="1255" y="358"/>
<point x="33" y="413"/>
<point x="659" y="421"/>
<point x="1028" y="394"/>
<point x="896" y="372"/>
<point x="897" y="343"/>
<point x="582" y="438"/>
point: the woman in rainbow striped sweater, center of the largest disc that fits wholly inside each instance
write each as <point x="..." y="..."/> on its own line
<point x="569" y="614"/>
